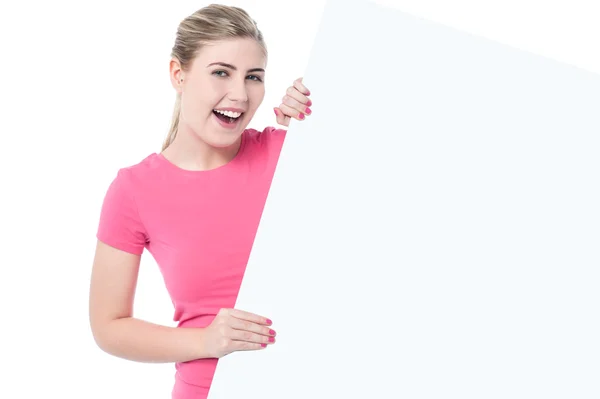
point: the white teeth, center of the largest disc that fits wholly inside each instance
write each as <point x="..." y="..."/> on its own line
<point x="230" y="114"/>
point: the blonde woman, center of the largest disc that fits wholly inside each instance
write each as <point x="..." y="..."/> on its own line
<point x="195" y="206"/>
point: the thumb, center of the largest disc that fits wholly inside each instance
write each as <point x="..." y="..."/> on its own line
<point x="282" y="119"/>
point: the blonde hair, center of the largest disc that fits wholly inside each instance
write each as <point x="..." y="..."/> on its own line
<point x="209" y="24"/>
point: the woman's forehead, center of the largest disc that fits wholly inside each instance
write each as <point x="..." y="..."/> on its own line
<point x="243" y="53"/>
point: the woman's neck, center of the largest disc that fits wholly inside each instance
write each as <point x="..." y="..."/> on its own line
<point x="190" y="152"/>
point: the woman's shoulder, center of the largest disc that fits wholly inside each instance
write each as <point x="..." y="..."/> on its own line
<point x="267" y="136"/>
<point x="140" y="170"/>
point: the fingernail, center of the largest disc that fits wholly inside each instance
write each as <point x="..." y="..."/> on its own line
<point x="272" y="332"/>
<point x="308" y="92"/>
<point x="301" y="116"/>
<point x="271" y="339"/>
<point x="263" y="345"/>
<point x="275" y="110"/>
<point x="308" y="111"/>
<point x="309" y="103"/>
<point x="269" y="322"/>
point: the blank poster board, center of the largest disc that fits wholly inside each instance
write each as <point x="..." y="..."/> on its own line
<point x="433" y="229"/>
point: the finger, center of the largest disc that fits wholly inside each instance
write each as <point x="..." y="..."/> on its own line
<point x="297" y="95"/>
<point x="243" y="315"/>
<point x="247" y="336"/>
<point x="282" y="119"/>
<point x="298" y="84"/>
<point x="246" y="346"/>
<point x="292" y="112"/>
<point x="297" y="105"/>
<point x="250" y="327"/>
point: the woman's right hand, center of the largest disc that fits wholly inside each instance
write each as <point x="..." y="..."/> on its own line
<point x="235" y="330"/>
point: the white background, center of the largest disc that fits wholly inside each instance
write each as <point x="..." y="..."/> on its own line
<point x="85" y="91"/>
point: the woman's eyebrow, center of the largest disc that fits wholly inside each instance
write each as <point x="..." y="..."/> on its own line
<point x="223" y="64"/>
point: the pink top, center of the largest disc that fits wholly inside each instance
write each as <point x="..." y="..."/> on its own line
<point x="199" y="226"/>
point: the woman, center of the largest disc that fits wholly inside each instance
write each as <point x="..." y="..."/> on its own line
<point x="195" y="206"/>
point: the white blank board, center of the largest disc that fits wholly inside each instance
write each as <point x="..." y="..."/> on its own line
<point x="432" y="230"/>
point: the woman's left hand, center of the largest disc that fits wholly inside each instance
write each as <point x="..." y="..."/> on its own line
<point x="295" y="104"/>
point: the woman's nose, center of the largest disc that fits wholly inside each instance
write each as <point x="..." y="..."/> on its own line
<point x="237" y="91"/>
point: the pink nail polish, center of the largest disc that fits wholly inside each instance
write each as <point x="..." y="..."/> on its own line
<point x="301" y="116"/>
<point x="272" y="332"/>
<point x="263" y="345"/>
<point x="308" y="111"/>
<point x="269" y="322"/>
<point x="274" y="110"/>
<point x="271" y="339"/>
<point x="309" y="103"/>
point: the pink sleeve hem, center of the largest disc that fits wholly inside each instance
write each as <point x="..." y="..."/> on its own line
<point x="129" y="248"/>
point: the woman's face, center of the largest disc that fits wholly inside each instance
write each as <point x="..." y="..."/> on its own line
<point x="221" y="91"/>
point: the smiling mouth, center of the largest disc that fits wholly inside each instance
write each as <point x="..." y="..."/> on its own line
<point x="228" y="116"/>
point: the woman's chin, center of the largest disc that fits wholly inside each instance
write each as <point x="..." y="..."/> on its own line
<point x="223" y="140"/>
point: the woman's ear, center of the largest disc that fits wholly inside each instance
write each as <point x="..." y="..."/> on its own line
<point x="176" y="75"/>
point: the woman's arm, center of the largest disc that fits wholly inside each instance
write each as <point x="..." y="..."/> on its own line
<point x="112" y="290"/>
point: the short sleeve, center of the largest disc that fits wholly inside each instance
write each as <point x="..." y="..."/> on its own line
<point x="120" y="225"/>
<point x="274" y="135"/>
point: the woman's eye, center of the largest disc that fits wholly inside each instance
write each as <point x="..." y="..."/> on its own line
<point x="223" y="74"/>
